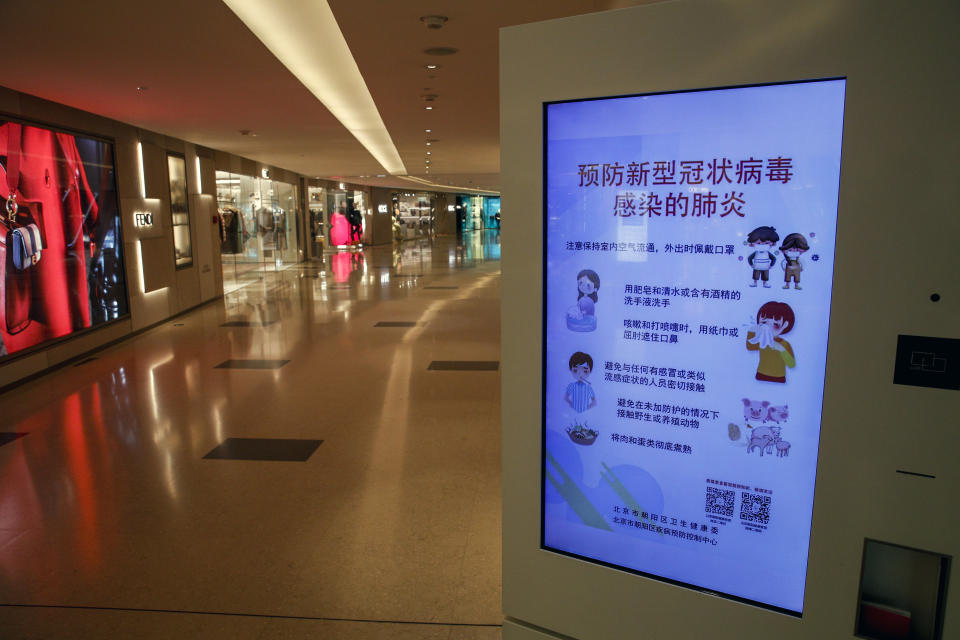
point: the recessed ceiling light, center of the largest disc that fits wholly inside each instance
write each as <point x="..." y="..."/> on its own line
<point x="429" y="152"/>
<point x="429" y="108"/>
<point x="428" y="130"/>
<point x="428" y="144"/>
<point x="432" y="66"/>
<point x="142" y="88"/>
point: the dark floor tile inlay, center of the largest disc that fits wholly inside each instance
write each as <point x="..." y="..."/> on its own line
<point x="464" y="365"/>
<point x="440" y="287"/>
<point x="396" y="324"/>
<point x="278" y="449"/>
<point x="84" y="361"/>
<point x="247" y="323"/>
<point x="9" y="436"/>
<point x="251" y="364"/>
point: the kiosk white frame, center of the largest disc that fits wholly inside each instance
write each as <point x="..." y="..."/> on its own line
<point x="895" y="242"/>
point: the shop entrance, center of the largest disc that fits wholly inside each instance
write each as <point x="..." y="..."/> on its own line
<point x="258" y="223"/>
<point x="414" y="215"/>
<point x="477" y="213"/>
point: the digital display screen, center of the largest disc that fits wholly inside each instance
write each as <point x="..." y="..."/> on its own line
<point x="60" y="244"/>
<point x="689" y="251"/>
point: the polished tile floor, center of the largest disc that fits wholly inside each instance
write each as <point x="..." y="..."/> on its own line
<point x="113" y="524"/>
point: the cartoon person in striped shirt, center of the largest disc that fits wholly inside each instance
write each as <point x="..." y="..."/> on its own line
<point x="580" y="394"/>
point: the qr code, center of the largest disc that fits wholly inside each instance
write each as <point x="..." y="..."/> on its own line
<point x="755" y="508"/>
<point x="720" y="501"/>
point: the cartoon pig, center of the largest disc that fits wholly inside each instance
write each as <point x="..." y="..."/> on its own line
<point x="778" y="414"/>
<point x="754" y="410"/>
<point x="783" y="449"/>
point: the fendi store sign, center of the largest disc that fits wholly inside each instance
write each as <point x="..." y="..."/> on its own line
<point x="143" y="214"/>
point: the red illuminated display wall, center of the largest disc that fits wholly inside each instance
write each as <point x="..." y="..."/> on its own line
<point x="60" y="245"/>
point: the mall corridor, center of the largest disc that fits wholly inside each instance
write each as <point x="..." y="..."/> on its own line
<point x="375" y="515"/>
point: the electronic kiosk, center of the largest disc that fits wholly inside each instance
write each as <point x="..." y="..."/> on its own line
<point x="734" y="414"/>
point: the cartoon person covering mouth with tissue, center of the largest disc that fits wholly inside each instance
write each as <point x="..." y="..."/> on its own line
<point x="774" y="319"/>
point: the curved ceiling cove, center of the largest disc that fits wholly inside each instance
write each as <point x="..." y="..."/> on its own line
<point x="307" y="40"/>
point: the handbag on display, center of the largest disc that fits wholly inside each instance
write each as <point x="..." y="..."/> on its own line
<point x="20" y="249"/>
<point x="21" y="242"/>
<point x="25" y="246"/>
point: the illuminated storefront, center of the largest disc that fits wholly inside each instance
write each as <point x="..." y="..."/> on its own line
<point x="476" y="212"/>
<point x="258" y="226"/>
<point x="413" y="215"/>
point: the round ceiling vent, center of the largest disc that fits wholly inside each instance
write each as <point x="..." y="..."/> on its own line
<point x="440" y="51"/>
<point x="434" y="22"/>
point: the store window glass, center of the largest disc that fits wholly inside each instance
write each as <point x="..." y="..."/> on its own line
<point x="346" y="221"/>
<point x="258" y="227"/>
<point x="283" y="209"/>
<point x="477" y="213"/>
<point x="491" y="213"/>
<point x="414" y="215"/>
<point x="61" y="261"/>
<point x="359" y="222"/>
<point x="179" y="210"/>
<point x="317" y="203"/>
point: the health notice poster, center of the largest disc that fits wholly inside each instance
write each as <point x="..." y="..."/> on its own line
<point x="689" y="251"/>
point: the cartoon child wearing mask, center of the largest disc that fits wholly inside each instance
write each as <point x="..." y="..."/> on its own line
<point x="762" y="240"/>
<point x="794" y="245"/>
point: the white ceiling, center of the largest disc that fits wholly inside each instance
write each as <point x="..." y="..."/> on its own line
<point x="208" y="77"/>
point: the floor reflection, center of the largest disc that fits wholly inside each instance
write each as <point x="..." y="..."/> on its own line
<point x="107" y="501"/>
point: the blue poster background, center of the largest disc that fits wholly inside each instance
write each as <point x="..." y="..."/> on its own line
<point x="686" y="448"/>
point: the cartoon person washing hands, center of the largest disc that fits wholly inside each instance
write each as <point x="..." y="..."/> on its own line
<point x="582" y="316"/>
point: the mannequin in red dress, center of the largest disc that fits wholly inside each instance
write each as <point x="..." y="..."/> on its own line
<point x="339" y="229"/>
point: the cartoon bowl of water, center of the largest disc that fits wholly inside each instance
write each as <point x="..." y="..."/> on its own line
<point x="586" y="323"/>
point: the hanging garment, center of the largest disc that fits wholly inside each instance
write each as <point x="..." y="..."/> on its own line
<point x="280" y="222"/>
<point x="230" y="225"/>
<point x="265" y="220"/>
<point x="45" y="171"/>
<point x="220" y="229"/>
